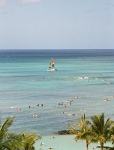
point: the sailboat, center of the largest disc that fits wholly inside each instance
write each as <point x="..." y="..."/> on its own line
<point x="52" y="66"/>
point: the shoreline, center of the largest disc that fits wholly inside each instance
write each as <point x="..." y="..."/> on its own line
<point x="64" y="142"/>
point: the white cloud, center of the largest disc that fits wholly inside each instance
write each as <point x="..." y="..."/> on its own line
<point x="3" y="2"/>
<point x="30" y="1"/>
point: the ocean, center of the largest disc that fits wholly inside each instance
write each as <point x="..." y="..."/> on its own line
<point x="82" y="84"/>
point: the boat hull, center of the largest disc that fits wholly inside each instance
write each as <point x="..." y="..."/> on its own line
<point x="52" y="69"/>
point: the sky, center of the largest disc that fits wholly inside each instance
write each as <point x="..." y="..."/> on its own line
<point x="56" y="24"/>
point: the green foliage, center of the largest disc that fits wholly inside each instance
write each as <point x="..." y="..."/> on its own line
<point x="112" y="133"/>
<point x="13" y="141"/>
<point x="101" y="129"/>
<point x="96" y="130"/>
<point x="82" y="130"/>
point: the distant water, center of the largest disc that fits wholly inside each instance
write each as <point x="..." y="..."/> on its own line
<point x="83" y="80"/>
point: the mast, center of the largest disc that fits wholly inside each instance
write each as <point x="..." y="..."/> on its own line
<point x="50" y="66"/>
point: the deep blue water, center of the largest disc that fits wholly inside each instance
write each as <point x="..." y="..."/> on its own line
<point x="56" y="53"/>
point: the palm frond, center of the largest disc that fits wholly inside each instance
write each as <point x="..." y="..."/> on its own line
<point x="7" y="124"/>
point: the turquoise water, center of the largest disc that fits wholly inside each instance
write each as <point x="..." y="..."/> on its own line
<point x="64" y="142"/>
<point x="25" y="82"/>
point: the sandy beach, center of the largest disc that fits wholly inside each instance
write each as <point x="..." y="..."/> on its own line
<point x="63" y="142"/>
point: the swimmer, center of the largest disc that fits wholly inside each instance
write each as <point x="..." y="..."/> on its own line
<point x="64" y="112"/>
<point x="40" y="144"/>
<point x="71" y="114"/>
<point x="18" y="108"/>
<point x="13" y="107"/>
<point x="82" y="109"/>
<point x="77" y="97"/>
<point x="40" y="105"/>
<point x="35" y="116"/>
<point x="60" y="103"/>
<point x="31" y="106"/>
<point x="106" y="99"/>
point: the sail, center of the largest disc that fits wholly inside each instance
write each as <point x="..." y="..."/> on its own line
<point x="52" y="62"/>
<point x="51" y="66"/>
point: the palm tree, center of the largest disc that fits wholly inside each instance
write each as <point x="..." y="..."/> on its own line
<point x="21" y="141"/>
<point x="112" y="133"/>
<point x="14" y="141"/>
<point x="4" y="131"/>
<point x="100" y="129"/>
<point x="82" y="130"/>
<point x="28" y="141"/>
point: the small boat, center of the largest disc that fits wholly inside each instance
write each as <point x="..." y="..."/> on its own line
<point x="52" y="66"/>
